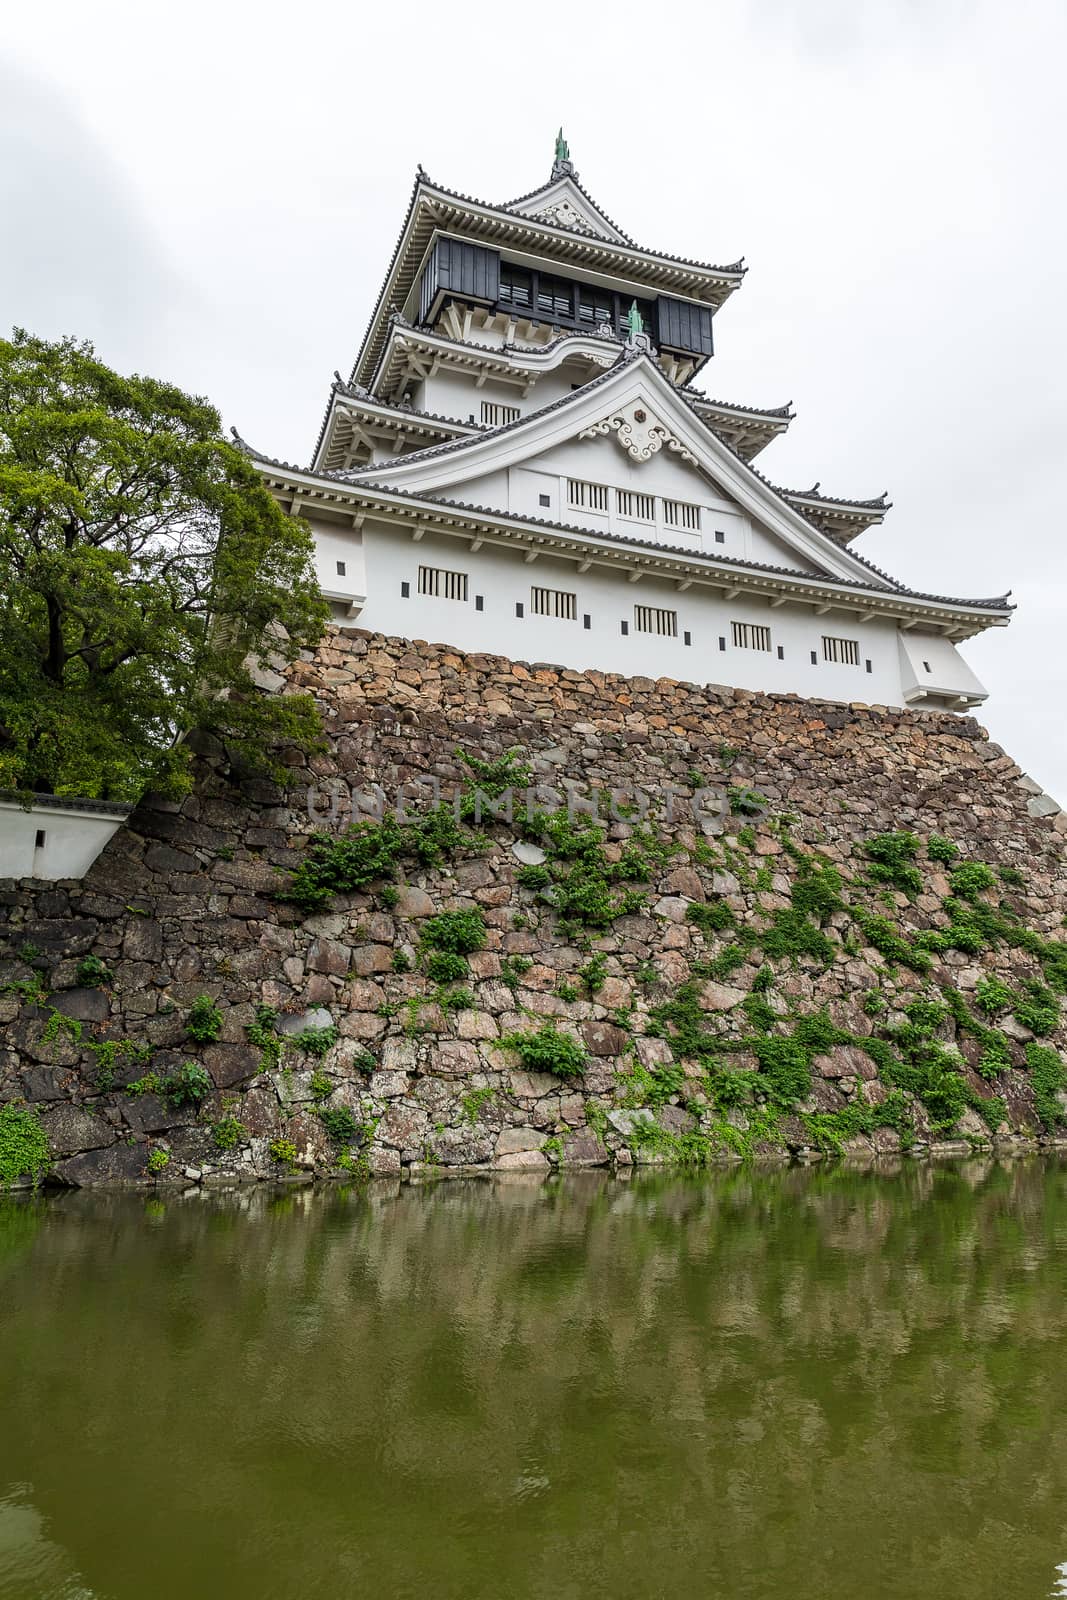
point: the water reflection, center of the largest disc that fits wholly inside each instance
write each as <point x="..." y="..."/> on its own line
<point x="795" y="1383"/>
<point x="30" y="1564"/>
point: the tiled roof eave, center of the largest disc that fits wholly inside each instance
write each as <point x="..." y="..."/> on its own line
<point x="456" y="511"/>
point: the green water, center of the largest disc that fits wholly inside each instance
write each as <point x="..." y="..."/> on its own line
<point x="799" y="1383"/>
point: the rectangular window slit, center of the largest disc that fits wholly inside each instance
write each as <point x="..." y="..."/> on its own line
<point x="39" y="841"/>
<point x="587" y="621"/>
<point x="652" y="619"/>
<point x="636" y="507"/>
<point x="519" y="608"/>
<point x="625" y="626"/>
<point x="495" y="416"/>
<point x="544" y="499"/>
<point x="479" y="602"/>
<point x="442" y="583"/>
<point x="720" y="537"/>
<point x="870" y="668"/>
<point x="781" y="652"/>
<point x="561" y="603"/>
<point x="340" y="569"/>
<point x="750" y="636"/>
<point x="405" y="590"/>
<point x="680" y="514"/>
<point x="583" y="496"/>
<point x="845" y="652"/>
<point x="687" y="637"/>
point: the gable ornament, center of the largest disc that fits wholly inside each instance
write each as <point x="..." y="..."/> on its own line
<point x="640" y="433"/>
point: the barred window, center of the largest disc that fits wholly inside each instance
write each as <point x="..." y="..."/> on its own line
<point x="750" y="636"/>
<point x="443" y="584"/>
<point x="680" y="514"/>
<point x="583" y="496"/>
<point x="554" y="603"/>
<point x="494" y="415"/>
<point x="638" y="507"/>
<point x="650" y="619"/>
<point x="844" y="651"/>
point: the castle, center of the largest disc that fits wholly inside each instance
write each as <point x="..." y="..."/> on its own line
<point x="520" y="463"/>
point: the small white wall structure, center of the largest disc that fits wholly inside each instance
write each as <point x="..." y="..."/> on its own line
<point x="54" y="837"/>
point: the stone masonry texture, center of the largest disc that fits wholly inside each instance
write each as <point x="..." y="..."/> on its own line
<point x="185" y="902"/>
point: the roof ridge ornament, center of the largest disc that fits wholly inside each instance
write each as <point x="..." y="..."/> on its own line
<point x="637" y="341"/>
<point x="563" y="166"/>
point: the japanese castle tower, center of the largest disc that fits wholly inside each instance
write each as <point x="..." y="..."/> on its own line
<point x="521" y="463"/>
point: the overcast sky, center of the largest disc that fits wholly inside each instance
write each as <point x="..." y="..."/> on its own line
<point x="211" y="193"/>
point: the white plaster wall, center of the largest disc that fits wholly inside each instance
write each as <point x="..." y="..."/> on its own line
<point x="931" y="666"/>
<point x="502" y="579"/>
<point x="665" y="476"/>
<point x="72" y="841"/>
<point x="333" y="543"/>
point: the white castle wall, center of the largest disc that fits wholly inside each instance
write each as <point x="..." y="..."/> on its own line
<point x="51" y="841"/>
<point x="503" y="579"/>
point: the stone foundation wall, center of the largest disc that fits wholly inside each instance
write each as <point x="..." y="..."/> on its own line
<point x="184" y="902"/>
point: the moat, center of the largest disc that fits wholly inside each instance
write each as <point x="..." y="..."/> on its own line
<point x="809" y="1383"/>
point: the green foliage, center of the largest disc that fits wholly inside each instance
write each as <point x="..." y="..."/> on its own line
<point x="445" y="966"/>
<point x="992" y="996"/>
<point x="371" y="850"/>
<point x="491" y="780"/>
<point x="1038" y="1010"/>
<point x="401" y="961"/>
<point x="925" y="1015"/>
<point x="649" y="1086"/>
<point x="24" y="1150"/>
<point x="792" y="934"/>
<point x="971" y="879"/>
<point x="547" y="1050"/>
<point x="189" y="1084"/>
<point x="828" y="1130"/>
<point x="1049" y="1078"/>
<point x="881" y="933"/>
<point x="57" y="1025"/>
<point x="746" y="838"/>
<point x="158" y="1161"/>
<point x="128" y="522"/>
<point x="108" y="1053"/>
<point x="763" y="981"/>
<point x="534" y="877"/>
<point x="893" y="856"/>
<point x="566" y="991"/>
<point x="711" y="917"/>
<point x="1012" y="877"/>
<point x="454" y="1000"/>
<point x="92" y="973"/>
<point x="321" y="1085"/>
<point x="938" y="848"/>
<point x="228" y="1132"/>
<point x="204" y="1022"/>
<point x="263" y="1031"/>
<point x="33" y="990"/>
<point x="759" y="1013"/>
<point x="458" y="932"/>
<point x="594" y="973"/>
<point x="389" y="896"/>
<point x="583" y="883"/>
<point x="816" y="891"/>
<point x="284" y="1152"/>
<point x="475" y="1102"/>
<point x="315" y="1041"/>
<point x="340" y="1123"/>
<point x="746" y="802"/>
<point x="875" y="1003"/>
<point x="513" y="968"/>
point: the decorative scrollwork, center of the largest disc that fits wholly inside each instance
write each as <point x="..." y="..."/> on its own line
<point x="641" y="435"/>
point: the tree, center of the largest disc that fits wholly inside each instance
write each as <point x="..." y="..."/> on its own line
<point x="144" y="573"/>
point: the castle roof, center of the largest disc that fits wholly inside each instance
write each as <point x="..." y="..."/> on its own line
<point x="434" y="209"/>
